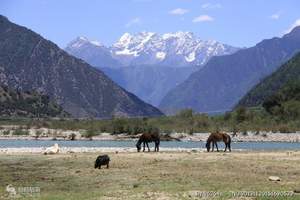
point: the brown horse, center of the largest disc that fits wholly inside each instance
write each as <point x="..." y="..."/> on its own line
<point x="148" y="137"/>
<point x="217" y="137"/>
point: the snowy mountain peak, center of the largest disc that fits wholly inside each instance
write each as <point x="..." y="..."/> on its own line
<point x="81" y="40"/>
<point x="179" y="34"/>
<point x="147" y="48"/>
<point x="124" y="40"/>
<point x="127" y="39"/>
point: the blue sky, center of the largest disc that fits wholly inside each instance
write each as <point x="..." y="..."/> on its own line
<point x="236" y="22"/>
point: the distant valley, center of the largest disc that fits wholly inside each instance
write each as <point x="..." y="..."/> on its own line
<point x="173" y="71"/>
<point x="224" y="80"/>
<point x="149" y="64"/>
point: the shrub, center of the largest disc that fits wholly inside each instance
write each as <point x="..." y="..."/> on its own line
<point x="20" y="132"/>
<point x="284" y="129"/>
<point x="118" y="125"/>
<point x="90" y="133"/>
<point x="292" y="109"/>
<point x="257" y="132"/>
<point x="185" y="113"/>
<point x="241" y="114"/>
<point x="245" y="133"/>
<point x="54" y="135"/>
<point x="72" y="136"/>
<point x="38" y="134"/>
<point x="264" y="135"/>
<point x="227" y="116"/>
<point x="6" y="132"/>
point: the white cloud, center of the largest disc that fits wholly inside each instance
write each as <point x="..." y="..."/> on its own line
<point x="203" y="18"/>
<point x="133" y="21"/>
<point x="276" y="16"/>
<point x="296" y="23"/>
<point x="211" y="5"/>
<point x="178" y="11"/>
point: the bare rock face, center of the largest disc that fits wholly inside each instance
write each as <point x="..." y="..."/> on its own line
<point x="30" y="62"/>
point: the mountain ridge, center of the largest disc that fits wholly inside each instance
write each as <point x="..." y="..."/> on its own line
<point x="221" y="83"/>
<point x="177" y="49"/>
<point x="146" y="63"/>
<point x="288" y="72"/>
<point x="30" y="62"/>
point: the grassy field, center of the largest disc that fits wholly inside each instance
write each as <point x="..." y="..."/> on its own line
<point x="164" y="175"/>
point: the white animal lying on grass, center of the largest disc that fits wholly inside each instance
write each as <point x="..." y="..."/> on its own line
<point x="11" y="190"/>
<point x="52" y="150"/>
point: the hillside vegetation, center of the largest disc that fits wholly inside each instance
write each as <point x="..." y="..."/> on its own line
<point x="279" y="93"/>
<point x="27" y="104"/>
<point x="286" y="76"/>
<point x="186" y="121"/>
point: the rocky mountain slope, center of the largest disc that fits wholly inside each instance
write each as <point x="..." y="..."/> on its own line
<point x="283" y="83"/>
<point x="30" y="62"/>
<point x="224" y="80"/>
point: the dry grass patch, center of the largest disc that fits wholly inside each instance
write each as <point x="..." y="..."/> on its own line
<point x="165" y="175"/>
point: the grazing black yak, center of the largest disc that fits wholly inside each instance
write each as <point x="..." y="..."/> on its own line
<point x="217" y="137"/>
<point x="102" y="160"/>
<point x="148" y="137"/>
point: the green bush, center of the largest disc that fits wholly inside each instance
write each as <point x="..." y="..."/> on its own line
<point x="90" y="133"/>
<point x="185" y="113"/>
<point x="38" y="133"/>
<point x="6" y="132"/>
<point x="241" y="114"/>
<point x="20" y="132"/>
<point x="72" y="136"/>
<point x="284" y="129"/>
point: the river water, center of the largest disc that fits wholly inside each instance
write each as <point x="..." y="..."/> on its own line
<point x="128" y="144"/>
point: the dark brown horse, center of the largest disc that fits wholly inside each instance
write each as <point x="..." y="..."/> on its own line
<point x="148" y="137"/>
<point x="217" y="137"/>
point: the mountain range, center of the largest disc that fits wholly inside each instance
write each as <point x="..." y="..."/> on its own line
<point x="174" y="71"/>
<point x="279" y="84"/>
<point x="224" y="80"/>
<point x="30" y="62"/>
<point x="149" y="64"/>
<point x="178" y="49"/>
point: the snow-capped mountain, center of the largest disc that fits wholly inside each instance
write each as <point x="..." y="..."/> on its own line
<point x="93" y="52"/>
<point x="147" y="48"/>
<point x="171" y="49"/>
<point x="149" y="64"/>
